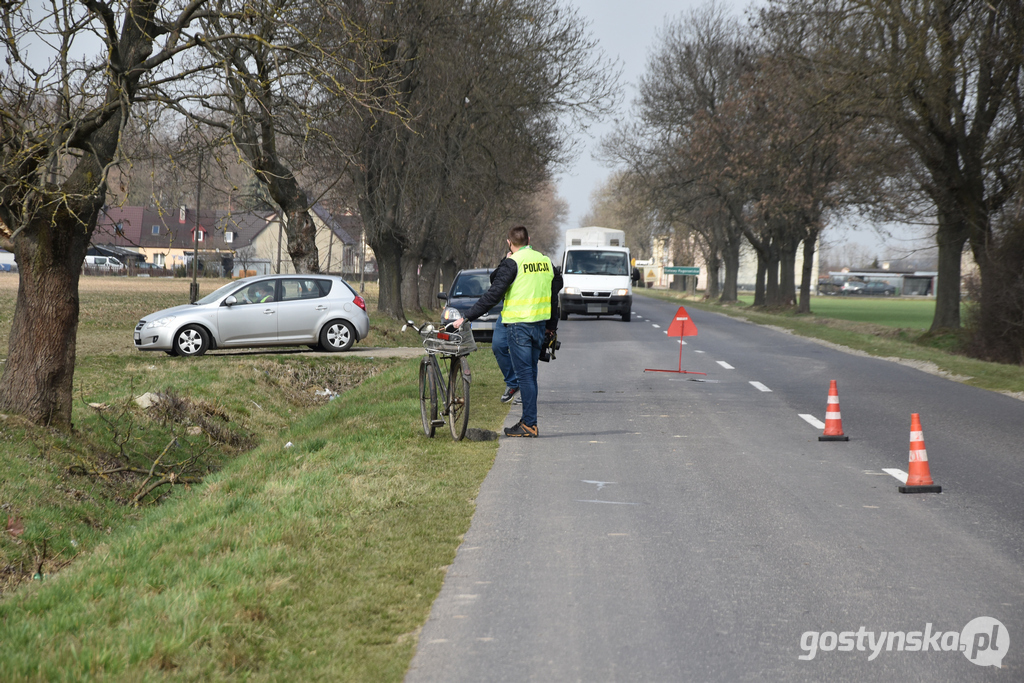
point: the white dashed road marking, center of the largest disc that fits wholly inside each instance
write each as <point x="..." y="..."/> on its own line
<point x="658" y="326"/>
<point x="760" y="387"/>
<point x="813" y="421"/>
<point x="606" y="502"/>
<point x="899" y="474"/>
<point x="725" y="365"/>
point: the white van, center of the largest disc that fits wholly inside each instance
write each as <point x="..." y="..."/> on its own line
<point x="596" y="273"/>
<point x="104" y="263"/>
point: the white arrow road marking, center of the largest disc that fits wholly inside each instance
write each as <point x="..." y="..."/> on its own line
<point x="725" y="365"/>
<point x="899" y="474"/>
<point x="760" y="387"/>
<point x="600" y="484"/>
<point x="813" y="421"/>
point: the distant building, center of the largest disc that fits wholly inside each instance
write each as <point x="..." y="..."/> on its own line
<point x="238" y="243"/>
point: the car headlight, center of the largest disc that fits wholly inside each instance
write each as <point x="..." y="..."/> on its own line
<point x="162" y="322"/>
<point x="571" y="290"/>
<point x="620" y="292"/>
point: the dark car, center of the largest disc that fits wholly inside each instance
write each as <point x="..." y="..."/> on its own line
<point x="467" y="287"/>
<point x="868" y="288"/>
<point x="879" y="289"/>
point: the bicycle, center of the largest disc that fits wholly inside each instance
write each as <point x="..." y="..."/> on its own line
<point x="446" y="356"/>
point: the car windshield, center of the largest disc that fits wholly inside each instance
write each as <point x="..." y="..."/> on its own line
<point x="216" y="294"/>
<point x="595" y="262"/>
<point x="471" y="285"/>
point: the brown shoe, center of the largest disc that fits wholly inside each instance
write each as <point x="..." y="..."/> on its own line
<point x="519" y="429"/>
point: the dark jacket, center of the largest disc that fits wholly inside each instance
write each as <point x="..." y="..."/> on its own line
<point x="502" y="278"/>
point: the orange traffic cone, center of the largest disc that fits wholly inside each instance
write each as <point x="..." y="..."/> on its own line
<point x="833" y="418"/>
<point x="919" y="477"/>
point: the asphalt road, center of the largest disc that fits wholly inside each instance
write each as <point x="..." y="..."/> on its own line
<point x="665" y="529"/>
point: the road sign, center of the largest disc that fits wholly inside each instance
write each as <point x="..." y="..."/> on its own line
<point x="682" y="270"/>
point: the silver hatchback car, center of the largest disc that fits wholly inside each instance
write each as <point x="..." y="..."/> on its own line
<point x="320" y="311"/>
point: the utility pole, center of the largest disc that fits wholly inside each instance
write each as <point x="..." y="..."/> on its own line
<point x="362" y="256"/>
<point x="193" y="290"/>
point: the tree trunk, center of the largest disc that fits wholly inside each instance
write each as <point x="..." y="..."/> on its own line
<point x="731" y="260"/>
<point x="298" y="224"/>
<point x="411" y="270"/>
<point x="40" y="366"/>
<point x="771" y="284"/>
<point x="762" y="268"/>
<point x="714" y="266"/>
<point x="389" y="267"/>
<point x="807" y="272"/>
<point x="951" y="238"/>
<point x="448" y="270"/>
<point x="302" y="248"/>
<point x="787" y="271"/>
<point x="427" y="283"/>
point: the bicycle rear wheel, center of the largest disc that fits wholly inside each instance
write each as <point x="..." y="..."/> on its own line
<point x="428" y="396"/>
<point x="458" y="397"/>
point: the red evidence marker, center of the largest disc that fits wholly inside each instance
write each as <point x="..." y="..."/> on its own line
<point x="682" y="326"/>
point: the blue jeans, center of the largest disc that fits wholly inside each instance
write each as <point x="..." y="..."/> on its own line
<point x="499" y="345"/>
<point x="524" y="344"/>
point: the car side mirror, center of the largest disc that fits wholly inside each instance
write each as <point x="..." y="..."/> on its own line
<point x="442" y="296"/>
<point x="230" y="301"/>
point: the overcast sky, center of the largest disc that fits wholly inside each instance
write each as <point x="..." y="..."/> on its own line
<point x="627" y="30"/>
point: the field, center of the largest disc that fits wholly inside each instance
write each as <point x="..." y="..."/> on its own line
<point x="914" y="314"/>
<point x="310" y="546"/>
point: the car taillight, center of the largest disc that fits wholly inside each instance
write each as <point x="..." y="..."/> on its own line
<point x="359" y="302"/>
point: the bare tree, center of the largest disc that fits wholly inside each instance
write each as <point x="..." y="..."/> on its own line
<point x="944" y="76"/>
<point x="266" y="91"/>
<point x="492" y="110"/>
<point x="61" y="122"/>
<point x="697" y="66"/>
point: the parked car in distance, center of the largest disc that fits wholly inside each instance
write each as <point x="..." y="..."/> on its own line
<point x="104" y="263"/>
<point x="868" y="288"/>
<point x="467" y="287"/>
<point x="879" y="289"/>
<point x="319" y="311"/>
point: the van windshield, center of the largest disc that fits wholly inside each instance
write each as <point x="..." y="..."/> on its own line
<point x="596" y="262"/>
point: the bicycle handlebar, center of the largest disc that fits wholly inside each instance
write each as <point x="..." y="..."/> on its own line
<point x="427" y="327"/>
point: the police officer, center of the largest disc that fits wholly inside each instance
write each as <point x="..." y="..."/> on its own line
<point x="529" y="285"/>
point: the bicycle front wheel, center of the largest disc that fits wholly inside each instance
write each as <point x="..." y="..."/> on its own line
<point x="428" y="396"/>
<point x="458" y="397"/>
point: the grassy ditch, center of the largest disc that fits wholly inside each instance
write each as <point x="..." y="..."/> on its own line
<point x="873" y="327"/>
<point x="315" y="561"/>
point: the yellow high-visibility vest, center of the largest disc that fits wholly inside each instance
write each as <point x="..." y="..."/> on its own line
<point x="529" y="298"/>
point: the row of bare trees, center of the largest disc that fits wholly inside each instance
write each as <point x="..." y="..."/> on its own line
<point x="763" y="133"/>
<point x="438" y="121"/>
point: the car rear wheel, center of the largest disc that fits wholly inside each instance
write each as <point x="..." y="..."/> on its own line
<point x="191" y="340"/>
<point x="337" y="335"/>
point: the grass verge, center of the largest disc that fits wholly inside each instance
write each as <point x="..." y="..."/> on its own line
<point x="314" y="562"/>
<point x="868" y="331"/>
